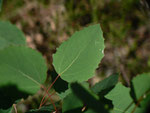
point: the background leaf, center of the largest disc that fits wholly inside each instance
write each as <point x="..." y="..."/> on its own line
<point x="141" y="84"/>
<point x="123" y="103"/>
<point x="23" y="67"/>
<point x="71" y="103"/>
<point x="45" y="109"/>
<point x="107" y="83"/>
<point x="10" y="35"/>
<point x="88" y="98"/>
<point x="77" y="58"/>
<point x="121" y="99"/>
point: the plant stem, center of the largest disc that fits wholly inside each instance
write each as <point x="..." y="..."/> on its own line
<point x="47" y="91"/>
<point x="14" y="105"/>
<point x="49" y="96"/>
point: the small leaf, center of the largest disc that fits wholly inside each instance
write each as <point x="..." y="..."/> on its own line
<point x="107" y="83"/>
<point x="77" y="58"/>
<point x="45" y="109"/>
<point x="10" y="35"/>
<point x="62" y="95"/>
<point x="141" y="84"/>
<point x="123" y="103"/>
<point x="88" y="98"/>
<point x="71" y="102"/>
<point x="23" y="67"/>
<point x="121" y="99"/>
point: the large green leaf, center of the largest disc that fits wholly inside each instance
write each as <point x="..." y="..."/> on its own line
<point x="23" y="67"/>
<point x="10" y="35"/>
<point x="107" y="83"/>
<point x="77" y="58"/>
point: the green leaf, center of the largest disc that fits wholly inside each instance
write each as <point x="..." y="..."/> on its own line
<point x="45" y="109"/>
<point x="71" y="102"/>
<point x="121" y="99"/>
<point x="144" y="105"/>
<point x="77" y="58"/>
<point x="89" y="111"/>
<point x="141" y="92"/>
<point x="141" y="84"/>
<point x="6" y="111"/>
<point x="22" y="66"/>
<point x="1" y="1"/>
<point x="10" y="35"/>
<point x="107" y="83"/>
<point x="88" y="98"/>
<point x="62" y="95"/>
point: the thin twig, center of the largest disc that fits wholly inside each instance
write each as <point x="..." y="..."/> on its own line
<point x="15" y="108"/>
<point x="48" y="90"/>
<point x="49" y="96"/>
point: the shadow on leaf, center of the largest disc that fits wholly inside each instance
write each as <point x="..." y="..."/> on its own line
<point x="9" y="94"/>
<point x="87" y="98"/>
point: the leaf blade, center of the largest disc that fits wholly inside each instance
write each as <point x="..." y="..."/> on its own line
<point x="141" y="84"/>
<point x="121" y="99"/>
<point x="83" y="51"/>
<point x="10" y="35"/>
<point x="22" y="66"/>
<point x="105" y="84"/>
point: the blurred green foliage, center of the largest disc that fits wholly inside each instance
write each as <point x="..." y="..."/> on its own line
<point x="124" y="23"/>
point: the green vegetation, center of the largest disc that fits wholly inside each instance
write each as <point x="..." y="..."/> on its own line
<point x="70" y="85"/>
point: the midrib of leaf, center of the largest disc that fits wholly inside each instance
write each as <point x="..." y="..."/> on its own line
<point x="25" y="75"/>
<point x="74" y="59"/>
<point x="30" y="78"/>
<point x="71" y="63"/>
<point x="33" y="66"/>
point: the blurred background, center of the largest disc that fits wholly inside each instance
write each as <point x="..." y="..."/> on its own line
<point x="125" y="24"/>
